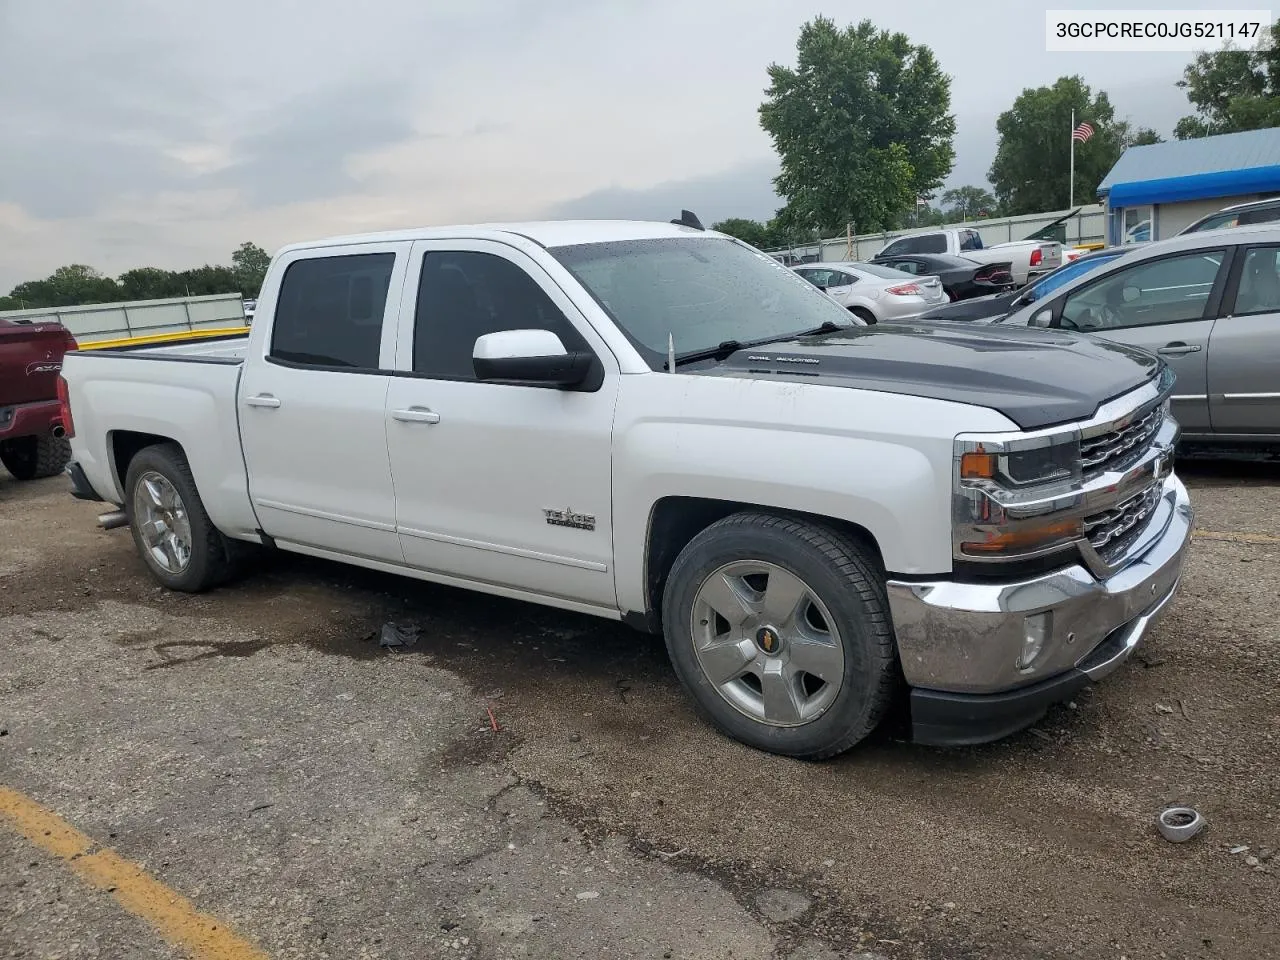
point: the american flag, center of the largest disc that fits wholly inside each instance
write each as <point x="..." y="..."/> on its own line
<point x="1082" y="133"/>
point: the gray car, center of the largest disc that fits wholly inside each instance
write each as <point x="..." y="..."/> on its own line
<point x="1209" y="304"/>
<point x="874" y="292"/>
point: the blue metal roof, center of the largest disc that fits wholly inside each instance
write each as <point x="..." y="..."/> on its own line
<point x="1223" y="166"/>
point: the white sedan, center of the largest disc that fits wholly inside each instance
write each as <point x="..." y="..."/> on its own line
<point x="874" y="292"/>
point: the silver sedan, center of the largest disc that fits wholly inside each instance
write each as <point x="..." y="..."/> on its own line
<point x="873" y="292"/>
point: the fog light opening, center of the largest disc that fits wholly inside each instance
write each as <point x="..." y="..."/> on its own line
<point x="1036" y="631"/>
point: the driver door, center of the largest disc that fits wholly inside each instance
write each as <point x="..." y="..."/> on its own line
<point x="1164" y="305"/>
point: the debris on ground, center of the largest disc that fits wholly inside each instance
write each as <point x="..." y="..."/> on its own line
<point x="1242" y="848"/>
<point x="1179" y="824"/>
<point x="1163" y="708"/>
<point x="396" y="635"/>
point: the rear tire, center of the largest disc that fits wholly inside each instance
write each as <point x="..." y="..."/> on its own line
<point x="33" y="458"/>
<point x="175" y="537"/>
<point x="825" y="678"/>
<point x="863" y="314"/>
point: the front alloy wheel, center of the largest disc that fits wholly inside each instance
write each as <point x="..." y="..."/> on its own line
<point x="767" y="643"/>
<point x="779" y="628"/>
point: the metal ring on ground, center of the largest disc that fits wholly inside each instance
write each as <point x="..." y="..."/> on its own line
<point x="1179" y="824"/>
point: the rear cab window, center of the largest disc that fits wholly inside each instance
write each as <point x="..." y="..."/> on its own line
<point x="329" y="311"/>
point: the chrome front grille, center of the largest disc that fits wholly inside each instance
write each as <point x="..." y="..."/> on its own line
<point x="1113" y="531"/>
<point x="1116" y="449"/>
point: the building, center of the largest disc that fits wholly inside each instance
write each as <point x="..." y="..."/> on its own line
<point x="1154" y="191"/>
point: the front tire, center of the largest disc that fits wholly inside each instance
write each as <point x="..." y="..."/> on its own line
<point x="175" y="537"/>
<point x="33" y="458"/>
<point x="779" y="629"/>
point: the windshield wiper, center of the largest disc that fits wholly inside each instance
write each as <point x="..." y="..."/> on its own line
<point x="827" y="327"/>
<point x="718" y="352"/>
<point x="727" y="347"/>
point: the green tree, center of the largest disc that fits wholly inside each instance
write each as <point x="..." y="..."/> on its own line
<point x="748" y="231"/>
<point x="68" y="286"/>
<point x="148" y="283"/>
<point x="250" y="264"/>
<point x="970" y="202"/>
<point x="1141" y="137"/>
<point x="1030" y="172"/>
<point x="1233" y="90"/>
<point x="862" y="126"/>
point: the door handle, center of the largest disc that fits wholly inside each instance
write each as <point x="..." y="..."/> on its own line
<point x="263" y="400"/>
<point x="416" y="415"/>
<point x="1177" y="349"/>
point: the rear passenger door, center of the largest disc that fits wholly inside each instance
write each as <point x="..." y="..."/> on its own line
<point x="312" y="405"/>
<point x="1165" y="305"/>
<point x="487" y="475"/>
<point x="1244" y="349"/>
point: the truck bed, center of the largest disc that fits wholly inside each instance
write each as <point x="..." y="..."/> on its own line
<point x="185" y="393"/>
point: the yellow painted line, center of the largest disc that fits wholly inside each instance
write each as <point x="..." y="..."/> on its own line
<point x="173" y="916"/>
<point x="1235" y="537"/>
<point x="181" y="335"/>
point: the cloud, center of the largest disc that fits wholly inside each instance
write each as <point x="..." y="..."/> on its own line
<point x="745" y="190"/>
<point x="147" y="131"/>
<point x="299" y="149"/>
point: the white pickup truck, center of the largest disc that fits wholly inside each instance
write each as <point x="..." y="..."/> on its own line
<point x="1029" y="259"/>
<point x="658" y="424"/>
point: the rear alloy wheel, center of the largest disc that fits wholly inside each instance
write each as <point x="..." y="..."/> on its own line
<point x="32" y="458"/>
<point x="173" y="533"/>
<point x="779" y="629"/>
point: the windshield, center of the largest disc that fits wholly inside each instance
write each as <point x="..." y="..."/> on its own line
<point x="700" y="291"/>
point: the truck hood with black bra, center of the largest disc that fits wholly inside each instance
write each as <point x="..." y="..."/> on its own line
<point x="1037" y="378"/>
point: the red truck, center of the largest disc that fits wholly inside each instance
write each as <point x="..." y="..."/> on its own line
<point x="33" y="439"/>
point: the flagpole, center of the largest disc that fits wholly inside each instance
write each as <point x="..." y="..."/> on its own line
<point x="1071" y="189"/>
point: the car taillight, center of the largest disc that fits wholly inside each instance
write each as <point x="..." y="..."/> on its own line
<point x="64" y="408"/>
<point x="905" y="290"/>
<point x="1037" y="257"/>
<point x="996" y="273"/>
<point x="69" y="342"/>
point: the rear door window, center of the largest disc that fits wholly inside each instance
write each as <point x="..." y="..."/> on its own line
<point x="1259" y="289"/>
<point x="931" y="243"/>
<point x="330" y="309"/>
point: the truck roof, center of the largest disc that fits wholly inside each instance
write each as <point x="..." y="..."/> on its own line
<point x="548" y="233"/>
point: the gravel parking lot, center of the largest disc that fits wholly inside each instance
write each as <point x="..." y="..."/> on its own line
<point x="256" y="751"/>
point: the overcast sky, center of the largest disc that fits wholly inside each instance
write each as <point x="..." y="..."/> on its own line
<point x="149" y="132"/>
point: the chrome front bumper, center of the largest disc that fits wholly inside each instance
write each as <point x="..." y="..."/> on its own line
<point x="968" y="638"/>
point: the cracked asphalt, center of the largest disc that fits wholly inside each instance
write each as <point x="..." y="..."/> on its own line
<point x="256" y="751"/>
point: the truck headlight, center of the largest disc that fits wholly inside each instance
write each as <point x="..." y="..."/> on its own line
<point x="1005" y="495"/>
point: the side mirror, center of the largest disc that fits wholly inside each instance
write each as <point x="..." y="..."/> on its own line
<point x="535" y="357"/>
<point x="1041" y="319"/>
<point x="1130" y="294"/>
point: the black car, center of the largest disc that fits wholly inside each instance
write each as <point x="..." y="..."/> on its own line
<point x="961" y="278"/>
<point x="1002" y="304"/>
